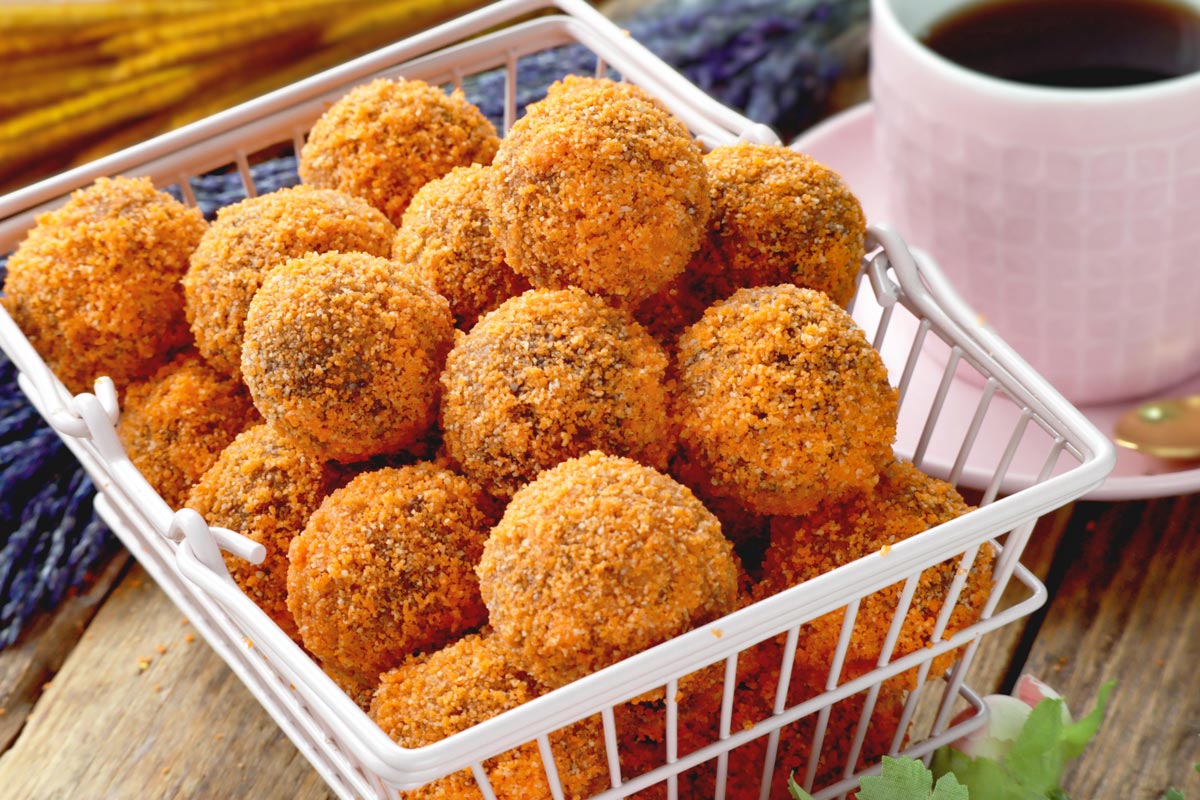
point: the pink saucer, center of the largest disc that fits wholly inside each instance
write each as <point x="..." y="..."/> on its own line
<point x="846" y="143"/>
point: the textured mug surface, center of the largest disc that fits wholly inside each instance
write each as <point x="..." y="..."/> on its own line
<point x="1068" y="218"/>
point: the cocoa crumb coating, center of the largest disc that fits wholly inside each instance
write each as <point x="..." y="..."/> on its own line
<point x="385" y="567"/>
<point x="94" y="286"/>
<point x="446" y="236"/>
<point x="778" y="216"/>
<point x="598" y="559"/>
<point x="342" y="353"/>
<point x="904" y="503"/>
<point x="667" y="313"/>
<point x="251" y="237"/>
<point x="435" y="695"/>
<point x="384" y="140"/>
<point x="782" y="400"/>
<point x="175" y="423"/>
<point x="265" y="489"/>
<point x="599" y="187"/>
<point x="549" y="375"/>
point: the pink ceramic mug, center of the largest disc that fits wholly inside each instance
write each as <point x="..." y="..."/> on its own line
<point x="1069" y="218"/>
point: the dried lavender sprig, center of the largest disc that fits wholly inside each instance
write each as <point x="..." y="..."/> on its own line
<point x="774" y="60"/>
<point x="51" y="570"/>
<point x="217" y="190"/>
<point x="49" y="537"/>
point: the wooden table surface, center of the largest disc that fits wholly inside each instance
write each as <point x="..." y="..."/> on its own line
<point x="114" y="697"/>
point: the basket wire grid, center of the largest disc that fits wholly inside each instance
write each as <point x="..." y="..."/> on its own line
<point x="916" y="321"/>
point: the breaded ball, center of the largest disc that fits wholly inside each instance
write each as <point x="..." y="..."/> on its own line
<point x="782" y="400"/>
<point x="95" y="284"/>
<point x="598" y="559"/>
<point x="446" y="237"/>
<point x="904" y="503"/>
<point x="386" y="139"/>
<point x="265" y="489"/>
<point x="600" y="187"/>
<point x="435" y="695"/>
<point x="550" y="375"/>
<point x="250" y="238"/>
<point x="176" y="423"/>
<point x="779" y="216"/>
<point x="385" y="567"/>
<point x="342" y="353"/>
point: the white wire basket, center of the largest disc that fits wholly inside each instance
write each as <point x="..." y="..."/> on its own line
<point x="926" y="334"/>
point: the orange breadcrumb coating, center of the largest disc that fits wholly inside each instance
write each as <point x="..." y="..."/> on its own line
<point x="265" y="489"/>
<point x="642" y="727"/>
<point x="342" y="353"/>
<point x="95" y="284"/>
<point x="446" y="237"/>
<point x="386" y="139"/>
<point x="779" y="216"/>
<point x="385" y="568"/>
<point x="782" y="400"/>
<point x="745" y="764"/>
<point x="176" y="423"/>
<point x="599" y="187"/>
<point x="250" y="238"/>
<point x="598" y="559"/>
<point x="435" y="695"/>
<point x="550" y="375"/>
<point x="904" y="503"/>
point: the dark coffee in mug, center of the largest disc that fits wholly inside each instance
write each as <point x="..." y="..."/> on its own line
<point x="1072" y="43"/>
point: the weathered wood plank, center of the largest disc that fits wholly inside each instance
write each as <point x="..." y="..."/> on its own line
<point x="144" y="709"/>
<point x="30" y="662"/>
<point x="1128" y="608"/>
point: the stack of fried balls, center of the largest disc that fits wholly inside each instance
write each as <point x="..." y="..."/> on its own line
<point x="506" y="411"/>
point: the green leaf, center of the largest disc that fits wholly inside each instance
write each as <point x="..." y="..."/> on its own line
<point x="1037" y="758"/>
<point x="908" y="779"/>
<point x="986" y="779"/>
<point x="1173" y="794"/>
<point x="1046" y="743"/>
<point x="1077" y="735"/>
<point x="796" y="790"/>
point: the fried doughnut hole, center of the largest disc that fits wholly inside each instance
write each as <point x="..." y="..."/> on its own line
<point x="385" y="567"/>
<point x="384" y="140"/>
<point x="598" y="559"/>
<point x="342" y="353"/>
<point x="550" y="375"/>
<point x="446" y="236"/>
<point x="599" y="187"/>
<point x="904" y="503"/>
<point x="265" y="489"/>
<point x="176" y="423"/>
<point x="435" y="695"/>
<point x="250" y="238"/>
<point x="779" y="216"/>
<point x="783" y="401"/>
<point x="95" y="284"/>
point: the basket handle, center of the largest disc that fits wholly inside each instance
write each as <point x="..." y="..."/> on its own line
<point x="173" y="525"/>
